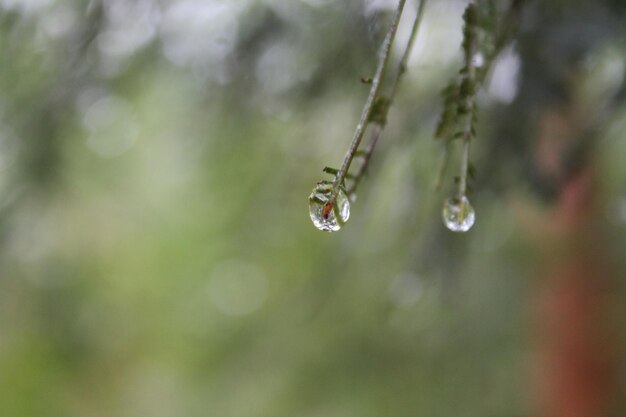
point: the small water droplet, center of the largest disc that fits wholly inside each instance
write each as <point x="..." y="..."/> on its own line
<point x="478" y="60"/>
<point x="458" y="214"/>
<point x="326" y="215"/>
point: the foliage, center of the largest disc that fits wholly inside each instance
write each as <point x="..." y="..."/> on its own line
<point x="155" y="253"/>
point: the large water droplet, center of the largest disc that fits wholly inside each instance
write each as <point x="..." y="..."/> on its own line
<point x="326" y="215"/>
<point x="458" y="214"/>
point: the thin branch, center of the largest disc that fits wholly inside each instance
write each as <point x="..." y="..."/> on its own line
<point x="402" y="67"/>
<point x="477" y="79"/>
<point x="371" y="99"/>
<point x="506" y="30"/>
<point x="464" y="166"/>
<point x="378" y="130"/>
<point x="468" y="89"/>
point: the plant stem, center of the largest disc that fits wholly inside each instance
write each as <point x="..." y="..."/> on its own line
<point x="402" y="67"/>
<point x="369" y="103"/>
<point x="378" y="130"/>
<point x="506" y="31"/>
<point x="470" y="100"/>
<point x="464" y="166"/>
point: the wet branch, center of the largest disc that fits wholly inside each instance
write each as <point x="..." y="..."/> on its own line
<point x="371" y="100"/>
<point x="382" y="117"/>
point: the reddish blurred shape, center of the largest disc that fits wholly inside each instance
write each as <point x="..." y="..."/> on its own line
<point x="578" y="355"/>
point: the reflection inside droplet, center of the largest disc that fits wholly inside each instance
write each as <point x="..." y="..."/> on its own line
<point x="328" y="215"/>
<point x="458" y="214"/>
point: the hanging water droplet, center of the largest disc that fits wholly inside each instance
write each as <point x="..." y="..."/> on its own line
<point x="478" y="60"/>
<point x="458" y="214"/>
<point x="326" y="215"/>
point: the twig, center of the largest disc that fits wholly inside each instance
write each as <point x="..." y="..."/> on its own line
<point x="402" y="67"/>
<point x="506" y="30"/>
<point x="378" y="130"/>
<point x="371" y="99"/>
<point x="468" y="92"/>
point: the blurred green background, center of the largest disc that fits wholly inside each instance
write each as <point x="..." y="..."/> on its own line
<point x="156" y="253"/>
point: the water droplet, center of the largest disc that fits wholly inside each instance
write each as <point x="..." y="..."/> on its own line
<point x="478" y="60"/>
<point x="458" y="214"/>
<point x="326" y="215"/>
